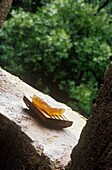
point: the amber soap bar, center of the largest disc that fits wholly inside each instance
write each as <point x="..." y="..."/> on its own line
<point x="46" y="106"/>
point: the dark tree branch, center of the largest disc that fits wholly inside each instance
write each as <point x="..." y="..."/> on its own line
<point x="4" y="9"/>
<point x="103" y="5"/>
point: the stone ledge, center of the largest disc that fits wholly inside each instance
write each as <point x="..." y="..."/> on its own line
<point x="52" y="146"/>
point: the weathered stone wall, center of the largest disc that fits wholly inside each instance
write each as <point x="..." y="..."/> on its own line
<point x="94" y="149"/>
<point x="24" y="141"/>
<point x="4" y="9"/>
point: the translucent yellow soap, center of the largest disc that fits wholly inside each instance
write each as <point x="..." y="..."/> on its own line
<point x="45" y="106"/>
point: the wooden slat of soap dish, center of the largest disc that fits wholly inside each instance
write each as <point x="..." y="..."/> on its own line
<point x="51" y="121"/>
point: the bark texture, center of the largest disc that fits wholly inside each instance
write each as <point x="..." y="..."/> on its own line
<point x="4" y="9"/>
<point x="94" y="149"/>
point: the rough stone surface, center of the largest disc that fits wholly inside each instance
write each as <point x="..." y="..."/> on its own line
<point x="50" y="147"/>
<point x="94" y="149"/>
<point x="4" y="9"/>
<point x="16" y="151"/>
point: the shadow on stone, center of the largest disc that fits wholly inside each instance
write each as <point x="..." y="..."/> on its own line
<point x="16" y="150"/>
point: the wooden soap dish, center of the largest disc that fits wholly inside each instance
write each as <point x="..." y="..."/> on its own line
<point x="50" y="121"/>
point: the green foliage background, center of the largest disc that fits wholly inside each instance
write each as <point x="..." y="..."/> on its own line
<point x="63" y="39"/>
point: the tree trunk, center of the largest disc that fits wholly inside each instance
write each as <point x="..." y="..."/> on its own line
<point x="4" y="9"/>
<point x="94" y="149"/>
